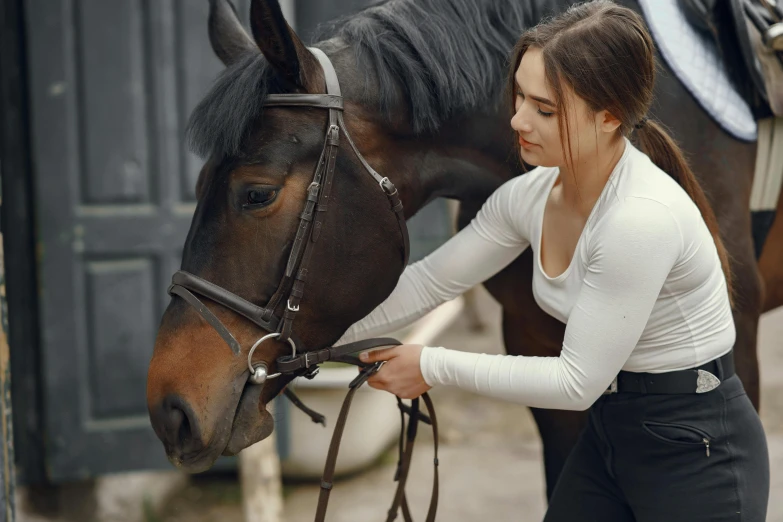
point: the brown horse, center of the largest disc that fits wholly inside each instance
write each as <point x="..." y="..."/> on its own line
<point x="422" y="82"/>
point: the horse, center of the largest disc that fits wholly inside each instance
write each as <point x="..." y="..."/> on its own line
<point x="423" y="85"/>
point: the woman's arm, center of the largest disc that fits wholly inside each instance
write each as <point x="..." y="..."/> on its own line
<point x="629" y="260"/>
<point x="491" y="241"/>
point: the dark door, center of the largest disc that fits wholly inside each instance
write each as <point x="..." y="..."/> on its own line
<point x="111" y="86"/>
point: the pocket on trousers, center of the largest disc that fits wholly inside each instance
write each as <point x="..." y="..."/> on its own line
<point x="680" y="434"/>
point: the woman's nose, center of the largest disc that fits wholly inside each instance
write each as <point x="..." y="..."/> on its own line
<point x="519" y="122"/>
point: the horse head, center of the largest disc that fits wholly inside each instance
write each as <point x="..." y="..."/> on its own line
<point x="251" y="192"/>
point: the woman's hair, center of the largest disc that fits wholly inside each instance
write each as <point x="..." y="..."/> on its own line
<point x="604" y="53"/>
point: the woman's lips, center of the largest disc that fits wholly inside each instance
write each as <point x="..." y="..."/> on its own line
<point x="525" y="144"/>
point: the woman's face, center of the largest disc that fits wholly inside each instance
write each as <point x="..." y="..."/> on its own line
<point x="536" y="121"/>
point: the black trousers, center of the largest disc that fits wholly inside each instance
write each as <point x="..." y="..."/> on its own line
<point x="667" y="458"/>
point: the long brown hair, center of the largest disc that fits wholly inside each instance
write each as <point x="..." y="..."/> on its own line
<point x="605" y="54"/>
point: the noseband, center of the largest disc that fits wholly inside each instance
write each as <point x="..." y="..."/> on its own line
<point x="305" y="363"/>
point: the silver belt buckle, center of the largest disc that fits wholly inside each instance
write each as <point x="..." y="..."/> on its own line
<point x="612" y="387"/>
<point x="705" y="381"/>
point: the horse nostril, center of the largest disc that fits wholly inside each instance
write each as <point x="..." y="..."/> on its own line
<point x="177" y="423"/>
<point x="185" y="436"/>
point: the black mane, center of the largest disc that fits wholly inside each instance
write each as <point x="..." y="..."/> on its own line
<point x="444" y="56"/>
<point x="447" y="56"/>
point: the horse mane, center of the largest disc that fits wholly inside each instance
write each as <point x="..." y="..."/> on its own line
<point x="452" y="55"/>
<point x="444" y="57"/>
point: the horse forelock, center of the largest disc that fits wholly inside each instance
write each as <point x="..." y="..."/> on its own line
<point x="222" y="119"/>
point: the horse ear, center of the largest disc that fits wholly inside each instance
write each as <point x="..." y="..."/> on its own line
<point x="226" y="34"/>
<point x="281" y="46"/>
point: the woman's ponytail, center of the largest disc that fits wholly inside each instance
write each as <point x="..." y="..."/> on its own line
<point x="654" y="141"/>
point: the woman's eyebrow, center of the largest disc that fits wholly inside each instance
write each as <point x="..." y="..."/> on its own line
<point x="545" y="101"/>
<point x="540" y="99"/>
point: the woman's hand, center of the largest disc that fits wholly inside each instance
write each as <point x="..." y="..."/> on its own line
<point x="401" y="374"/>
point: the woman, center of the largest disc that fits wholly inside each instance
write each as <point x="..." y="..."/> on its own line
<point x="629" y="257"/>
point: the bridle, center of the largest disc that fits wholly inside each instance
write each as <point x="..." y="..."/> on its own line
<point x="308" y="232"/>
<point x="305" y="363"/>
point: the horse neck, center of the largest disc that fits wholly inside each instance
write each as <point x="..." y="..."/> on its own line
<point x="467" y="160"/>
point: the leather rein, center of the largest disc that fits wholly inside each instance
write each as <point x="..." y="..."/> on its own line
<point x="305" y="363"/>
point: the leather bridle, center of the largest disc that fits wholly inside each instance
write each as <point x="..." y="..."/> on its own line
<point x="305" y="363"/>
<point x="308" y="232"/>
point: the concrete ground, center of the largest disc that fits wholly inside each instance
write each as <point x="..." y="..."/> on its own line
<point x="490" y="459"/>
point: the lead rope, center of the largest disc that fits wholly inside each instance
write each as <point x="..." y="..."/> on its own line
<point x="403" y="466"/>
<point x="334" y="445"/>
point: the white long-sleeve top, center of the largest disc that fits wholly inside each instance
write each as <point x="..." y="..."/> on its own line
<point x="644" y="291"/>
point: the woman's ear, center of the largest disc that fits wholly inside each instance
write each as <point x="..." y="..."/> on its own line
<point x="607" y="122"/>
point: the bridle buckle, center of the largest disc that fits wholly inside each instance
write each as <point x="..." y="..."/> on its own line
<point x="333" y="135"/>
<point x="311" y="372"/>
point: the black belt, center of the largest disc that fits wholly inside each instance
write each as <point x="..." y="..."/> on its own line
<point x="700" y="379"/>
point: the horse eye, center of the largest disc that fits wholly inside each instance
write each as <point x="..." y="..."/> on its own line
<point x="259" y="197"/>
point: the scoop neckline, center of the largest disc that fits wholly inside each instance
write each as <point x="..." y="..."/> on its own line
<point x="579" y="241"/>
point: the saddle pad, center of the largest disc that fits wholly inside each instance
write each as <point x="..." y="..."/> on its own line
<point x="695" y="59"/>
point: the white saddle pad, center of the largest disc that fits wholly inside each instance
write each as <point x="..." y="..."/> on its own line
<point x="694" y="58"/>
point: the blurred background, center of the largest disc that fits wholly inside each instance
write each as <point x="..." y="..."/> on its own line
<point x="97" y="197"/>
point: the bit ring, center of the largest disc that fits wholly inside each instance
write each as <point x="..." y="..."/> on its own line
<point x="258" y="374"/>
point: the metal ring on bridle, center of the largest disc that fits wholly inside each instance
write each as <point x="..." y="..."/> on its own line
<point x="258" y="374"/>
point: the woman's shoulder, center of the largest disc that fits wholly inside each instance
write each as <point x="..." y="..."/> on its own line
<point x="638" y="225"/>
<point x="505" y="217"/>
<point x="529" y="186"/>
<point x="645" y="201"/>
<point x="644" y="181"/>
<point x="519" y="196"/>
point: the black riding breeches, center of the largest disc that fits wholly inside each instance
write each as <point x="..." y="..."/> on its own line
<point x="667" y="458"/>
